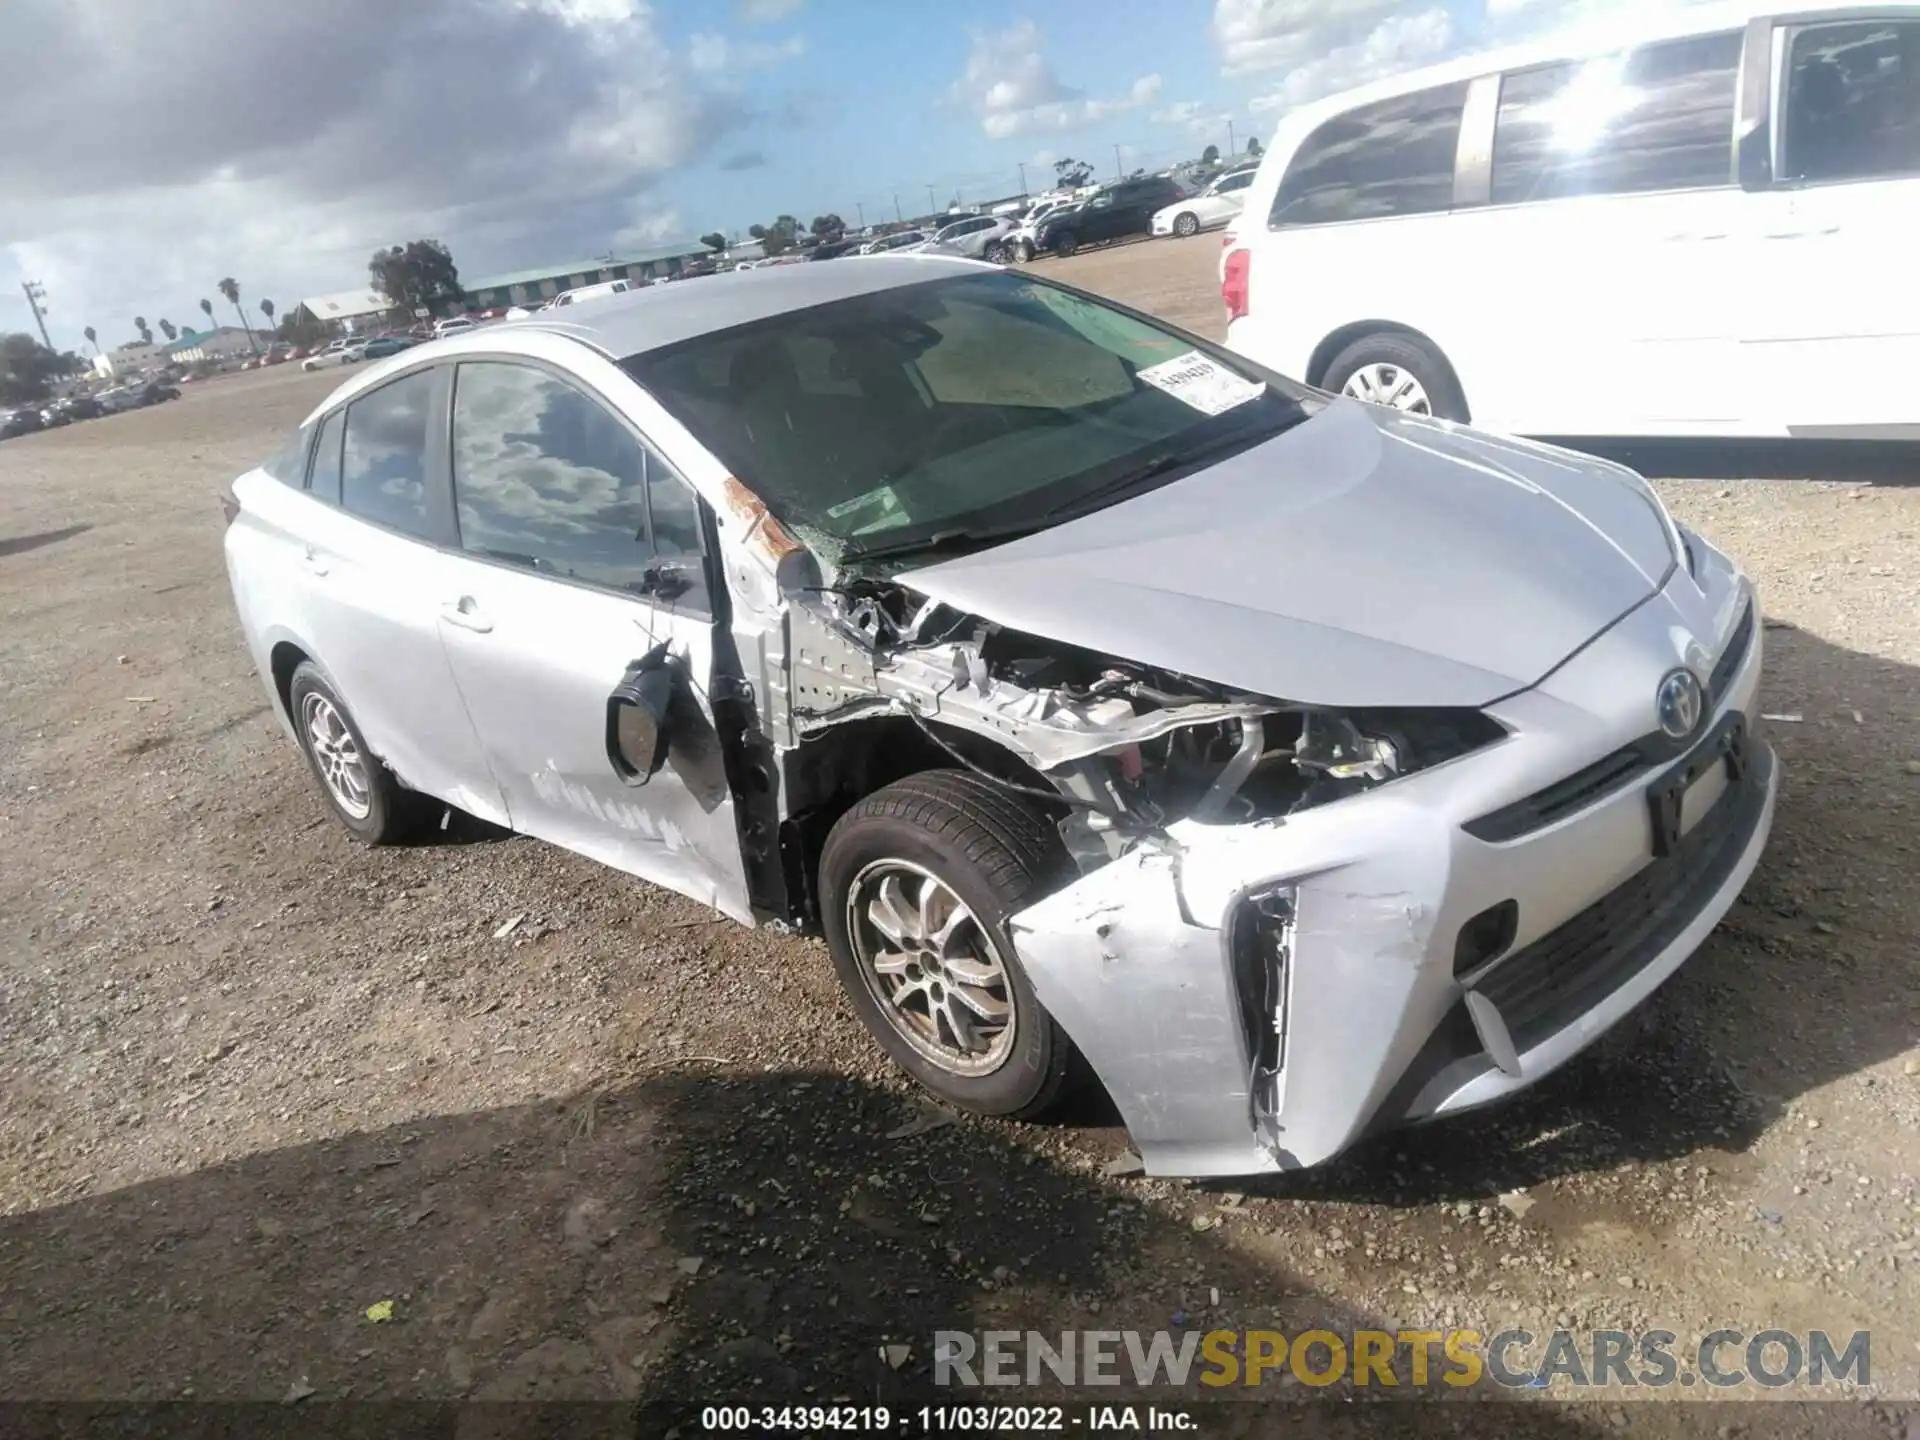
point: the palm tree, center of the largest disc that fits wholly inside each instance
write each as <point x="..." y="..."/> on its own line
<point x="93" y="338"/>
<point x="230" y="288"/>
<point x="266" y="309"/>
<point x="146" y="334"/>
<point x="207" y="305"/>
<point x="166" y="329"/>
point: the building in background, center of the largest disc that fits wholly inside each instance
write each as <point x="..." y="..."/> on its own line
<point x="226" y="342"/>
<point x="350" y="310"/>
<point x="542" y="283"/>
<point x="128" y="359"/>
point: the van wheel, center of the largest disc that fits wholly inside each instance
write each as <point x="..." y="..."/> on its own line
<point x="364" y="795"/>
<point x="917" y="882"/>
<point x="1186" y="223"/>
<point x="1399" y="372"/>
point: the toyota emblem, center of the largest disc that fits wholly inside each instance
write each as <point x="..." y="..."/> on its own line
<point x="1679" y="704"/>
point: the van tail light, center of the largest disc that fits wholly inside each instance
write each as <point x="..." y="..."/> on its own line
<point x="229" y="504"/>
<point x="1234" y="280"/>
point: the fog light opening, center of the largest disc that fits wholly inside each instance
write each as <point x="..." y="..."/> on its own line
<point x="1487" y="936"/>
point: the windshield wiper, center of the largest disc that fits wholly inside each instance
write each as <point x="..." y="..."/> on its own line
<point x="946" y="541"/>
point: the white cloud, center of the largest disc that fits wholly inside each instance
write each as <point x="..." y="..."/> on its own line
<point x="1010" y="86"/>
<point x="712" y="54"/>
<point x="765" y="12"/>
<point x="125" y="190"/>
<point x="1402" y="42"/>
<point x="1257" y="35"/>
<point x="1193" y="116"/>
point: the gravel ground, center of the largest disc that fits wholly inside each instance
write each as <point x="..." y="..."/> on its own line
<point x="259" y="1080"/>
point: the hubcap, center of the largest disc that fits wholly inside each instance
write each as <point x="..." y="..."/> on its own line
<point x="343" y="770"/>
<point x="1389" y="385"/>
<point x="1186" y="225"/>
<point x="933" y="967"/>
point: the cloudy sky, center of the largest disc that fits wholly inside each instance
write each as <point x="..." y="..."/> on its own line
<point x="150" y="147"/>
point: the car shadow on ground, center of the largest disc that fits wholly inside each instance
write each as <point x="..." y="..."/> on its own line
<point x="20" y="544"/>
<point x="1811" y="978"/>
<point x="660" y="1244"/>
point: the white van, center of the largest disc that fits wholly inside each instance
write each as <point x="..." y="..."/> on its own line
<point x="1699" y="225"/>
<point x="590" y="292"/>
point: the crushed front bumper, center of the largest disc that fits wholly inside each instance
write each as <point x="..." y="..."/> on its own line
<point x="1371" y="1005"/>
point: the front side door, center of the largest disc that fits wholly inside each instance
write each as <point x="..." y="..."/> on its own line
<point x="580" y="552"/>
<point x="370" y="568"/>
<point x="1834" y="323"/>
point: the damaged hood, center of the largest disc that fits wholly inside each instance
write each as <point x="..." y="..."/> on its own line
<point x="1359" y="559"/>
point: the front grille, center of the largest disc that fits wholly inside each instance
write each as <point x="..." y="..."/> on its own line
<point x="1604" y="776"/>
<point x="1566" y="972"/>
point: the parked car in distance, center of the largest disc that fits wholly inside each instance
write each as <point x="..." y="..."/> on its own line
<point x="949" y="657"/>
<point x="834" y="249"/>
<point x="156" y="391"/>
<point x="22" y="421"/>
<point x="453" y="325"/>
<point x="382" y="346"/>
<point x="338" y="352"/>
<point x="1722" y="218"/>
<point x="592" y="292"/>
<point x="978" y="237"/>
<point x="1120" y="210"/>
<point x="899" y="240"/>
<point x="83" y="407"/>
<point x="1212" y="207"/>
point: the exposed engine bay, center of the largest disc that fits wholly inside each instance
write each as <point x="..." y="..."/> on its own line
<point x="1126" y="749"/>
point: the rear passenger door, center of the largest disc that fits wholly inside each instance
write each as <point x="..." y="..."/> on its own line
<point x="581" y="551"/>
<point x="370" y="562"/>
<point x="1834" y="314"/>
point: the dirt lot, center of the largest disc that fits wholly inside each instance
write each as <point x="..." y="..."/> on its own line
<point x="258" y="1080"/>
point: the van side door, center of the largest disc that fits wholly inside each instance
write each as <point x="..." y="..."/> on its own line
<point x="1835" y="315"/>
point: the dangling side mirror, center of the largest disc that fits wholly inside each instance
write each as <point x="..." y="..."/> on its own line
<point x="637" y="730"/>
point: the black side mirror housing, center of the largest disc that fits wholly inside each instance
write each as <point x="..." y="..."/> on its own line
<point x="638" y="732"/>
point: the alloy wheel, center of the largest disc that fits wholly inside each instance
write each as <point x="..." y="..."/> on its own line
<point x="935" y="970"/>
<point x="1389" y="385"/>
<point x="337" y="756"/>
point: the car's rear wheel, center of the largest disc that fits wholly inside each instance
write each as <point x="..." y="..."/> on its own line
<point x="917" y="882"/>
<point x="363" y="794"/>
<point x="995" y="253"/>
<point x="1400" y="372"/>
<point x="1065" y="243"/>
<point x="1186" y="223"/>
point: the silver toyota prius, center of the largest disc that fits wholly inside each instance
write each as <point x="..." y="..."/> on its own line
<point x="1105" y="701"/>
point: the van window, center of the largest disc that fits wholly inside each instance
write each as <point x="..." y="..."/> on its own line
<point x="1394" y="157"/>
<point x="1852" y="102"/>
<point x="1659" y="118"/>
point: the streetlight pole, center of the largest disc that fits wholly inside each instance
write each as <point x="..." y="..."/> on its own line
<point x="898" y="217"/>
<point x="1229" y="139"/>
<point x="933" y="205"/>
<point x="861" y="211"/>
<point x="1117" y="173"/>
<point x="36" y="294"/>
<point x="1023" y="178"/>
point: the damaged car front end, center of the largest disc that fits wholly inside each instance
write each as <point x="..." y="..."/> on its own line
<point x="1386" y="765"/>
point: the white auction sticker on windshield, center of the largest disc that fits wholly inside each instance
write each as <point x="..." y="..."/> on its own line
<point x="1195" y="380"/>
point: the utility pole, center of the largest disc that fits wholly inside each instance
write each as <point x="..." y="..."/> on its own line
<point x="1229" y="139"/>
<point x="36" y="294"/>
<point x="933" y="205"/>
<point x="898" y="217"/>
<point x="1023" y="177"/>
<point x="1117" y="173"/>
<point x="861" y="211"/>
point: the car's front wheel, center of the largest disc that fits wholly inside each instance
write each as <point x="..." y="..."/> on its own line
<point x="916" y="883"/>
<point x="1023" y="251"/>
<point x="995" y="253"/>
<point x="1399" y="371"/>
<point x="1186" y="223"/>
<point x="363" y="794"/>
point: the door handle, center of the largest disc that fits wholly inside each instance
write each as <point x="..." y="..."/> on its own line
<point x="465" y="613"/>
<point x="315" y="565"/>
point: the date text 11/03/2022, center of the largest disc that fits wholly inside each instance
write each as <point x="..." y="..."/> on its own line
<point x="946" y="1419"/>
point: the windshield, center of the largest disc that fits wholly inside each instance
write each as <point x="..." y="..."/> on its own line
<point x="955" y="410"/>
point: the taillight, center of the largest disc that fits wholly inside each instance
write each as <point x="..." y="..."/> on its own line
<point x="1233" y="282"/>
<point x="229" y="505"/>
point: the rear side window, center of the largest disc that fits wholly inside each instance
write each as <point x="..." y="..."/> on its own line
<point x="1852" y="102"/>
<point x="1658" y="118"/>
<point x="1394" y="157"/>
<point x="288" y="465"/>
<point x="383" y="465"/>
<point x="324" y="479"/>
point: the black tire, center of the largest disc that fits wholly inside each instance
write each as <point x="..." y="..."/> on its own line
<point x="998" y="853"/>
<point x="1064" y="243"/>
<point x="1403" y="352"/>
<point x="1186" y="223"/>
<point x="995" y="253"/>
<point x="394" y="813"/>
<point x="1023" y="252"/>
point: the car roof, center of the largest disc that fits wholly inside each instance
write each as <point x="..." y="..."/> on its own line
<point x="655" y="316"/>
